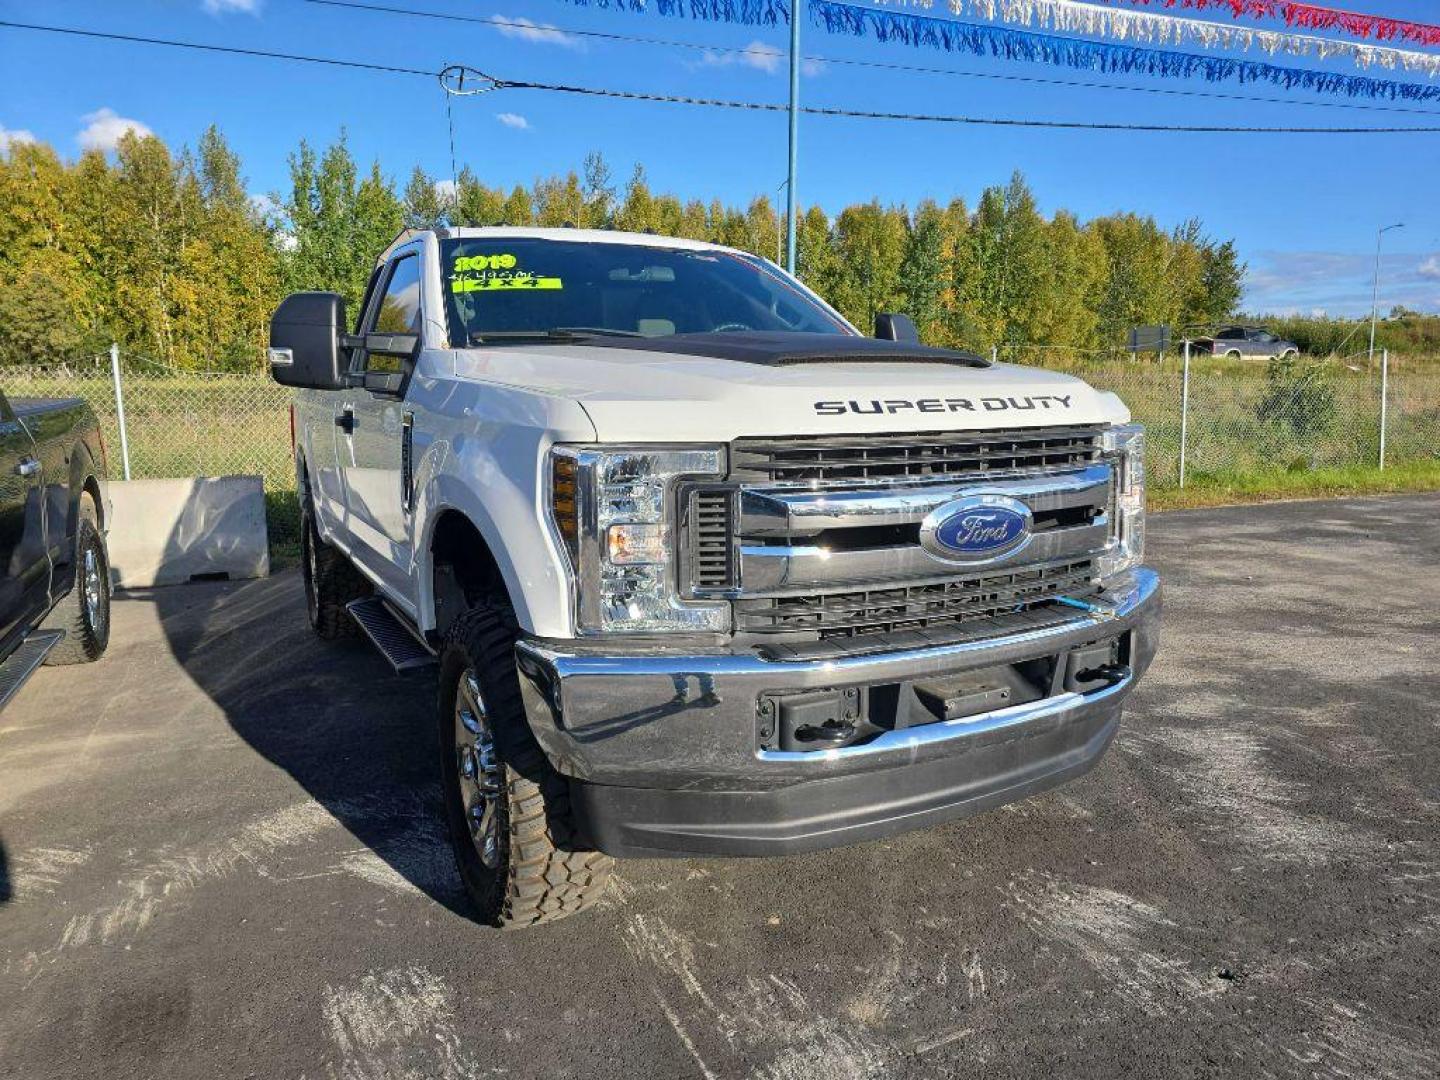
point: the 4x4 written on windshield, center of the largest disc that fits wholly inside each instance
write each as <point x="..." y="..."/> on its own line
<point x="487" y="273"/>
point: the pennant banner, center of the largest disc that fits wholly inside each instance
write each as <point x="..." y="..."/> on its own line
<point x="1301" y="15"/>
<point x="1069" y="16"/>
<point x="748" y="12"/>
<point x="888" y="24"/>
<point x="1312" y="17"/>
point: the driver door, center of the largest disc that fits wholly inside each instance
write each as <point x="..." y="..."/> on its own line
<point x="24" y="565"/>
<point x="373" y="430"/>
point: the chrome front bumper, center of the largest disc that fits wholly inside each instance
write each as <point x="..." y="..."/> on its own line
<point x="664" y="757"/>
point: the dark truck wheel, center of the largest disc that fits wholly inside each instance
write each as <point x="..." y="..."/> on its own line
<point x="508" y="810"/>
<point x="330" y="583"/>
<point x="84" y="614"/>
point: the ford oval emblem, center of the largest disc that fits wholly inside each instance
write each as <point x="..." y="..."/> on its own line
<point x="977" y="528"/>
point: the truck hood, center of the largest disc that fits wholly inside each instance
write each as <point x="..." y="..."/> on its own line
<point x="643" y="395"/>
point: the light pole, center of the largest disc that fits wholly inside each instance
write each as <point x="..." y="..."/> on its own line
<point x="779" y="226"/>
<point x="795" y="7"/>
<point x="1375" y="298"/>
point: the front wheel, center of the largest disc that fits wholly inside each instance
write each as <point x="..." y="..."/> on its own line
<point x="330" y="582"/>
<point x="508" y="810"/>
<point x="84" y="614"/>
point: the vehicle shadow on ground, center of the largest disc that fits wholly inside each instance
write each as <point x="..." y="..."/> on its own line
<point x="357" y="738"/>
<point x="5" y="890"/>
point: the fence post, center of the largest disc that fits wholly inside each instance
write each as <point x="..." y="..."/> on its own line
<point x="1184" y="412"/>
<point x="1384" y="400"/>
<point x="994" y="354"/>
<point x="120" y="408"/>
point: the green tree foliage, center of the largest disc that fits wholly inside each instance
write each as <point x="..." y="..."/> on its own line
<point x="169" y="254"/>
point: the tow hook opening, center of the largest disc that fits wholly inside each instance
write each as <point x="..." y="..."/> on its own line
<point x="830" y="719"/>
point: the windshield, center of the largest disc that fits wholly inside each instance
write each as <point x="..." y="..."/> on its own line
<point x="498" y="288"/>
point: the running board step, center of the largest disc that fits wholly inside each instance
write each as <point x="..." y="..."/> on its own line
<point x="21" y="664"/>
<point x="390" y="634"/>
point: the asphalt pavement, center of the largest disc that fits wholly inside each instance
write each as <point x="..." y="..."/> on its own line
<point x="220" y="856"/>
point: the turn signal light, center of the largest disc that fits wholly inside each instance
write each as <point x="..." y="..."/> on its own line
<point x="564" y="504"/>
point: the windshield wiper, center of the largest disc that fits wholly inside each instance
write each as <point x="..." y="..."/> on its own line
<point x="600" y="331"/>
<point x="558" y="333"/>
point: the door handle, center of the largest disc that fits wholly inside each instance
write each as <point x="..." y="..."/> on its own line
<point x="346" y="422"/>
<point x="28" y="468"/>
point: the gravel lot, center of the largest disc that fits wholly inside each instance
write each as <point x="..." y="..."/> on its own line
<point x="221" y="858"/>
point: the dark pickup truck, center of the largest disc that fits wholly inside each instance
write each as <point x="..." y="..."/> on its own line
<point x="54" y="570"/>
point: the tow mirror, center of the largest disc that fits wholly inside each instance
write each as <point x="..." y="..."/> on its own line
<point x="890" y="326"/>
<point x="305" y="341"/>
<point x="386" y="378"/>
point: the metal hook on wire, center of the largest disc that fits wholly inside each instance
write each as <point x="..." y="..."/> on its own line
<point x="461" y="80"/>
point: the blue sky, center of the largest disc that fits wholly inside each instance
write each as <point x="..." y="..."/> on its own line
<point x="1303" y="209"/>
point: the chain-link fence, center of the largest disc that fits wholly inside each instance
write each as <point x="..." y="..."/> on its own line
<point x="176" y="423"/>
<point x="1228" y="419"/>
<point x="1225" y="420"/>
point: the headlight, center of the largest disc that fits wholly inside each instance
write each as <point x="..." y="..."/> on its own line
<point x="1124" y="446"/>
<point x="613" y="510"/>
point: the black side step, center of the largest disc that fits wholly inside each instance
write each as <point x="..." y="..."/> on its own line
<point x="391" y="634"/>
<point x="21" y="664"/>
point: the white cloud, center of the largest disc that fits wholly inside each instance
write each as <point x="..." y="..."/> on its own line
<point x="539" y="33"/>
<point x="1338" y="282"/>
<point x="227" y="7"/>
<point x="266" y="205"/>
<point x="761" y="56"/>
<point x="445" y="189"/>
<point x="104" y="127"/>
<point x="513" y="120"/>
<point x="14" y="137"/>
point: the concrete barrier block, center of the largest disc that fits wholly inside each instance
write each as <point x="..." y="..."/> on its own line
<point x="167" y="532"/>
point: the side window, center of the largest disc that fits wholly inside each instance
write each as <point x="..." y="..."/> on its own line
<point x="398" y="311"/>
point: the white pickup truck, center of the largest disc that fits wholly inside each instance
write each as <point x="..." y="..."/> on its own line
<point x="705" y="571"/>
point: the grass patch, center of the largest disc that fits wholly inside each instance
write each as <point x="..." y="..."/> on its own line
<point x="282" y="523"/>
<point x="1224" y="489"/>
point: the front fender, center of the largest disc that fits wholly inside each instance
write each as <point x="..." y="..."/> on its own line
<point x="483" y="449"/>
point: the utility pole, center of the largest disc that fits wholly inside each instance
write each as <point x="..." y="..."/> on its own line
<point x="1375" y="299"/>
<point x="779" y="228"/>
<point x="795" y="6"/>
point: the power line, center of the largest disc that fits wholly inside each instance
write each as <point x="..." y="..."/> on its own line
<point x="865" y="114"/>
<point x="502" y="23"/>
<point x="630" y="95"/>
<point x="233" y="50"/>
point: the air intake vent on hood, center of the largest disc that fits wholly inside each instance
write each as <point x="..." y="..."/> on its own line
<point x="770" y="348"/>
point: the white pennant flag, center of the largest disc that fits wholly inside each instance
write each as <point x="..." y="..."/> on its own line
<point x="1150" y="28"/>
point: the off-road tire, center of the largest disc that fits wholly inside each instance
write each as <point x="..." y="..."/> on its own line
<point x="331" y="582"/>
<point x="84" y="613"/>
<point x="544" y="872"/>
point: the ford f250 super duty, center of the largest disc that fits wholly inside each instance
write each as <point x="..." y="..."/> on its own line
<point x="704" y="570"/>
<point x="54" y="574"/>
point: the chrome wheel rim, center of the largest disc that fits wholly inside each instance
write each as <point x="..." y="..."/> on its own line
<point x="478" y="768"/>
<point x="92" y="590"/>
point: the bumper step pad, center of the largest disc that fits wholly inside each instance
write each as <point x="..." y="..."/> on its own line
<point x="388" y="633"/>
<point x="21" y="664"/>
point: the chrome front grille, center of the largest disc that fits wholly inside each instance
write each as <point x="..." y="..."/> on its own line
<point x="944" y="604"/>
<point x="818" y="539"/>
<point x="848" y="459"/>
